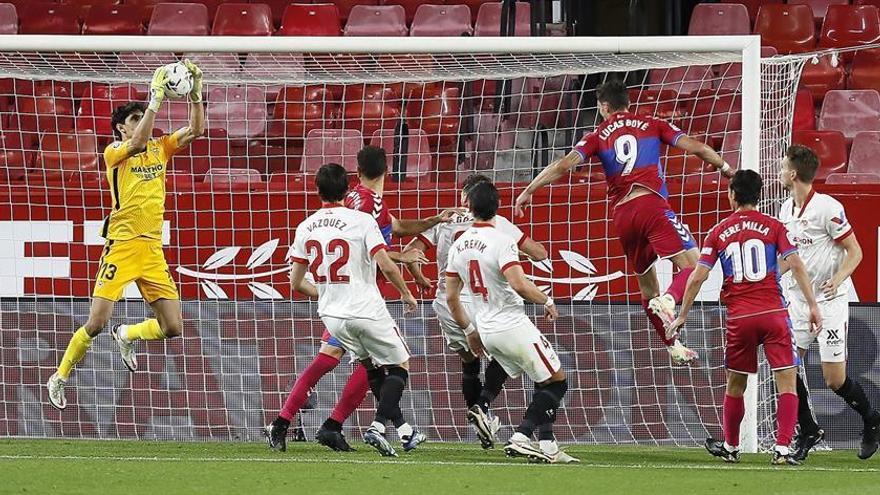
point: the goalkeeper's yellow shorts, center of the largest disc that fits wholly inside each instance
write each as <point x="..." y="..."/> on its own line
<point x="139" y="260"/>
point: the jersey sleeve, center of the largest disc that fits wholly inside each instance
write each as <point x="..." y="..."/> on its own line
<point x="587" y="146"/>
<point x="115" y="153"/>
<point x="430" y="236"/>
<point x="836" y="224"/>
<point x="354" y="201"/>
<point x="784" y="246"/>
<point x="669" y="133"/>
<point x="509" y="228"/>
<point x="508" y="256"/>
<point x="374" y="240"/>
<point x="709" y="252"/>
<point x="168" y="144"/>
<point x="452" y="268"/>
<point x="298" y="254"/>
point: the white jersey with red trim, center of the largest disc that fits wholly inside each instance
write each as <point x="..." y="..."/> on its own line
<point x="817" y="229"/>
<point x="479" y="257"/>
<point x="443" y="235"/>
<point x="338" y="245"/>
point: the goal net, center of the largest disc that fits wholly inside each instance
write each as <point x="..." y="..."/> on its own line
<point x="277" y="109"/>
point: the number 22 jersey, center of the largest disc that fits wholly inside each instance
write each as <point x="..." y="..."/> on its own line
<point x="748" y="244"/>
<point x="338" y="245"/>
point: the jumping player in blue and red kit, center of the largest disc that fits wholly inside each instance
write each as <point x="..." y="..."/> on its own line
<point x="628" y="145"/>
<point x="750" y="246"/>
<point x="365" y="197"/>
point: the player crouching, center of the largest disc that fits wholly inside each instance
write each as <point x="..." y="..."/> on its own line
<point x="748" y="244"/>
<point x="486" y="261"/>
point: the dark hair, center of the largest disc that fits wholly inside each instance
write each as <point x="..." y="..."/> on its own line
<point x="120" y="114"/>
<point x="473" y="180"/>
<point x="332" y="182"/>
<point x="746" y="186"/>
<point x="483" y="200"/>
<point x="804" y="161"/>
<point x="371" y="162"/>
<point x="614" y="93"/>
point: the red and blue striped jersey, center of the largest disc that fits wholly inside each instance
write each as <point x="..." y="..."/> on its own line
<point x="748" y="244"/>
<point x="628" y="145"/>
<point x="362" y="199"/>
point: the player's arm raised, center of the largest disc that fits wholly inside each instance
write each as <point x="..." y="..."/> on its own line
<point x="551" y="174"/>
<point x="403" y="228"/>
<point x="389" y="269"/>
<point x="415" y="267"/>
<point x="799" y="272"/>
<point x="706" y="153"/>
<point x="847" y="267"/>
<point x="695" y="282"/>
<point x="196" y="127"/>
<point x="529" y="291"/>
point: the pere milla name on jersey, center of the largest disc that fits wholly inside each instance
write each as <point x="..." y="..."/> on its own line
<point x="746" y="225"/>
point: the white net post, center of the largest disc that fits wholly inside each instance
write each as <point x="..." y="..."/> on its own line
<point x="277" y="109"/>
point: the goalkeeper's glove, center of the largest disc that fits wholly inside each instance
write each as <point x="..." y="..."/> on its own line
<point x="195" y="96"/>
<point x="157" y="89"/>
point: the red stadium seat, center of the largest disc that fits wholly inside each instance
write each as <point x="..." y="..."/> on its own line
<point x="331" y="145"/>
<point x="438" y="113"/>
<point x="242" y="112"/>
<point x="371" y="107"/>
<point x="442" y="20"/>
<point x="865" y="72"/>
<point x="822" y="74"/>
<point x="97" y="106"/>
<point x="8" y="19"/>
<point x="850" y="111"/>
<point x="300" y="110"/>
<point x="865" y="150"/>
<point x="850" y="25"/>
<point x="242" y="19"/>
<point x="15" y="158"/>
<point x="829" y="146"/>
<point x="233" y="177"/>
<point x="345" y="6"/>
<point x="48" y="109"/>
<point x="820" y="7"/>
<point x="215" y="63"/>
<point x="181" y="19"/>
<point x="119" y="20"/>
<point x="731" y="149"/>
<point x="210" y="150"/>
<point x="682" y="80"/>
<point x="65" y="154"/>
<point x="678" y="164"/>
<point x="752" y="6"/>
<point x="719" y="19"/>
<point x="729" y="76"/>
<point x="853" y="179"/>
<point x="418" y="151"/>
<point x="376" y="20"/>
<point x="278" y="7"/>
<point x="804" y="111"/>
<point x="788" y="28"/>
<point x="489" y="20"/>
<point x="474" y="5"/>
<point x="310" y="20"/>
<point x="713" y="113"/>
<point x="659" y="103"/>
<point x="48" y="18"/>
<point x="410" y="6"/>
<point x="172" y="115"/>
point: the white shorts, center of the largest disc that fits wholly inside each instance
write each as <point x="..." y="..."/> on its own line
<point x="522" y="349"/>
<point x="455" y="337"/>
<point x="377" y="340"/>
<point x="835" y="322"/>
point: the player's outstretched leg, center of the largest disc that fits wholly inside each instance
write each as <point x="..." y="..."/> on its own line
<point x="167" y="324"/>
<point x="323" y="363"/>
<point x="853" y="394"/>
<point x="542" y="410"/>
<point x="660" y="311"/>
<point x="390" y="382"/>
<point x="809" y="434"/>
<point x="487" y="426"/>
<point x="330" y="434"/>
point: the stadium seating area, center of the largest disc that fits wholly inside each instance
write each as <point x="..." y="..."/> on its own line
<point x="273" y="130"/>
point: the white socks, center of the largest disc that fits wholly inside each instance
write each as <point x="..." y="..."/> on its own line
<point x="549" y="447"/>
<point x="378" y="427"/>
<point x="404" y="431"/>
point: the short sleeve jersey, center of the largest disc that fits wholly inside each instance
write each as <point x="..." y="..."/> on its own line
<point x="748" y="243"/>
<point x="137" y="188"/>
<point x="479" y="258"/>
<point x="629" y="146"/>
<point x="338" y="245"/>
<point x="362" y="199"/>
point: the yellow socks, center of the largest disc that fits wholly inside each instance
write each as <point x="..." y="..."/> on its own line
<point x="145" y="330"/>
<point x="76" y="349"/>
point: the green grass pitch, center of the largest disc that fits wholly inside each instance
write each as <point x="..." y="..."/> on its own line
<point x="135" y="467"/>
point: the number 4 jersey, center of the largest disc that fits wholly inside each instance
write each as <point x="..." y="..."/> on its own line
<point x="628" y="145"/>
<point x="479" y="258"/>
<point x="338" y="245"/>
<point x="748" y="244"/>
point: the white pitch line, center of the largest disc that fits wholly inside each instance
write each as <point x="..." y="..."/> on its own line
<point x="312" y="460"/>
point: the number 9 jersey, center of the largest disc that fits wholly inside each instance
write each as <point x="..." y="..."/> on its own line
<point x="748" y="244"/>
<point x="628" y="145"/>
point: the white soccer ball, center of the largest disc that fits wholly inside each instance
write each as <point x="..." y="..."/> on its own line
<point x="180" y="81"/>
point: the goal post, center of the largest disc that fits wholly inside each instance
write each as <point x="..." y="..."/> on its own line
<point x="277" y="108"/>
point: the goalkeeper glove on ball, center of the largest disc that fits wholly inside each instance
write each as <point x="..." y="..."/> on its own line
<point x="195" y="96"/>
<point x="157" y="89"/>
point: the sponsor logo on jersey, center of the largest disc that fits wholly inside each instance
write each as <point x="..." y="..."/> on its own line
<point x="148" y="172"/>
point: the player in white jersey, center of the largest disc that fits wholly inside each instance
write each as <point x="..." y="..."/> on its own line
<point x="477" y="395"/>
<point x="825" y="240"/>
<point x="341" y="248"/>
<point x="486" y="261"/>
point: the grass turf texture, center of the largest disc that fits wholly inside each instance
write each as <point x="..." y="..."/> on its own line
<point x="134" y="467"/>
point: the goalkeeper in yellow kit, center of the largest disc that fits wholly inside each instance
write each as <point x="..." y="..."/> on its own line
<point x="136" y="165"/>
